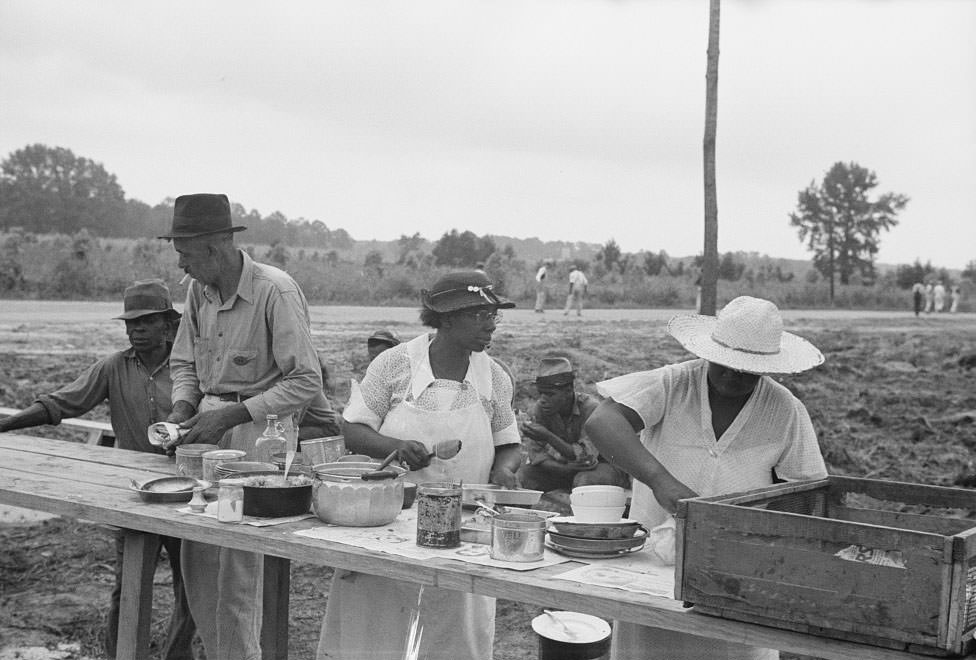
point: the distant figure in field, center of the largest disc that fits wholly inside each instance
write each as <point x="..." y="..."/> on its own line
<point x="541" y="285"/>
<point x="956" y="297"/>
<point x="918" y="296"/>
<point x="929" y="298"/>
<point x="381" y="340"/>
<point x="577" y="289"/>
<point x="938" y="294"/>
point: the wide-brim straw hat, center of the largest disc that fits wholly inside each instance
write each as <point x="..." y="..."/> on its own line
<point x="201" y="214"/>
<point x="747" y="335"/>
<point x="462" y="290"/>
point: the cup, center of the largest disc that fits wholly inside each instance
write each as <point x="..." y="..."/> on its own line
<point x="212" y="459"/>
<point x="517" y="537"/>
<point x="323" y="450"/>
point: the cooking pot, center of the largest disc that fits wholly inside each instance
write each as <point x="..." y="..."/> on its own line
<point x="342" y="497"/>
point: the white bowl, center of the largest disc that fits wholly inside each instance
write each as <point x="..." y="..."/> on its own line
<point x="597" y="514"/>
<point x="598" y="496"/>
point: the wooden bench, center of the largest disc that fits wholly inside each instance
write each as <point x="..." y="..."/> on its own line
<point x="96" y="433"/>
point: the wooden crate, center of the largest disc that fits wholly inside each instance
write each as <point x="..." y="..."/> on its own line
<point x="837" y="557"/>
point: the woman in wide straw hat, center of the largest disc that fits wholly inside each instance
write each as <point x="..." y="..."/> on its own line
<point x="713" y="425"/>
<point x="439" y="386"/>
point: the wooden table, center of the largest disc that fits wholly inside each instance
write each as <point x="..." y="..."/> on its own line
<point x="92" y="482"/>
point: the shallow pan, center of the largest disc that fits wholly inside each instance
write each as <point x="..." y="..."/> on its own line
<point x="568" y="526"/>
<point x="167" y="489"/>
<point x="494" y="494"/>
<point x="598" y="545"/>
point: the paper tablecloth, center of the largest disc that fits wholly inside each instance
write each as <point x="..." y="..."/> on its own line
<point x="400" y="538"/>
<point x="211" y="512"/>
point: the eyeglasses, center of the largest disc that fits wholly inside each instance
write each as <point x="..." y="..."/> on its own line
<point x="483" y="315"/>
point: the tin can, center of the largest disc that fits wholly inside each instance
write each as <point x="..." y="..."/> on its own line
<point x="517" y="537"/>
<point x="230" y="502"/>
<point x="439" y="515"/>
<point x="189" y="459"/>
<point x="212" y="459"/>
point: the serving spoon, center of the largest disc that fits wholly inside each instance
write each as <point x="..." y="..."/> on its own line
<point x="444" y="450"/>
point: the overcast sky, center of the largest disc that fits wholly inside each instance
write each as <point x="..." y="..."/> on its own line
<point x="563" y="119"/>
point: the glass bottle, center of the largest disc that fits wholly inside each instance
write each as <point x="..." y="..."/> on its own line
<point x="271" y="442"/>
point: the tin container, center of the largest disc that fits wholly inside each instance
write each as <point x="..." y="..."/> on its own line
<point x="189" y="459"/>
<point x="212" y="459"/>
<point x="323" y="450"/>
<point x="517" y="537"/>
<point x="230" y="503"/>
<point x="439" y="515"/>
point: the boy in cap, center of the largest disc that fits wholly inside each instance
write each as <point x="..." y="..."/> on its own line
<point x="381" y="340"/>
<point x="136" y="382"/>
<point x="560" y="455"/>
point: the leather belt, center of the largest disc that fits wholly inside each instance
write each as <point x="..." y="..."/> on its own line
<point x="234" y="396"/>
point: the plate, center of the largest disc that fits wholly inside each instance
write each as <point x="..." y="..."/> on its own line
<point x="584" y="554"/>
<point x="168" y="489"/>
<point x="598" y="545"/>
<point x="494" y="494"/>
<point x="569" y="526"/>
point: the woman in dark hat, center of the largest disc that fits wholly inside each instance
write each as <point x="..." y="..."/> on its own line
<point x="438" y="386"/>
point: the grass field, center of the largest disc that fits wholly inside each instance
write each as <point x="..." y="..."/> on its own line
<point x="882" y="405"/>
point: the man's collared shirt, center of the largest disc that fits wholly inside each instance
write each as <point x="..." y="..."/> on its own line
<point x="136" y="397"/>
<point x="569" y="429"/>
<point x="258" y="342"/>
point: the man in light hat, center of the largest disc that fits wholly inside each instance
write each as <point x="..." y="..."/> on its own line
<point x="379" y="341"/>
<point x="136" y="382"/>
<point x="710" y="426"/>
<point x="560" y="455"/>
<point x="243" y="351"/>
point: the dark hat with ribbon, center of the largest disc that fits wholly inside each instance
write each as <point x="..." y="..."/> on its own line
<point x="201" y="214"/>
<point x="384" y="336"/>
<point x="555" y="372"/>
<point x="462" y="290"/>
<point x="147" y="297"/>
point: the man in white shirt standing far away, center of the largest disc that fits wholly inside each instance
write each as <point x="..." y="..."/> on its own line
<point x="577" y="289"/>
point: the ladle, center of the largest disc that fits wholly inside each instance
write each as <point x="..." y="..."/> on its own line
<point x="562" y="624"/>
<point x="289" y="457"/>
<point x="444" y="450"/>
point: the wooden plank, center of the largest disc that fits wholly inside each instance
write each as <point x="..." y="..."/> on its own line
<point x="907" y="493"/>
<point x="135" y="601"/>
<point x="274" y="625"/>
<point x="94" y="430"/>
<point x="917" y="522"/>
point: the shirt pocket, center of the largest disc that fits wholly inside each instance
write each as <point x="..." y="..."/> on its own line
<point x="242" y="364"/>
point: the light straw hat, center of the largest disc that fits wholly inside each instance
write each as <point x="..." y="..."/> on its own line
<point x="747" y="335"/>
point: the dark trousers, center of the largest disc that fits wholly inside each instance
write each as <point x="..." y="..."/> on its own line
<point x="918" y="302"/>
<point x="179" y="640"/>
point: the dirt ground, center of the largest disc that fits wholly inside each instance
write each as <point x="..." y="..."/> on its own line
<point x="885" y="405"/>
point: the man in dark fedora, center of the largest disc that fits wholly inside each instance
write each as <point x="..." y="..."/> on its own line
<point x="560" y="455"/>
<point x="136" y="382"/>
<point x="243" y="351"/>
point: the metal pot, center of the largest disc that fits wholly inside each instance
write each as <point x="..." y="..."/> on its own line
<point x="341" y="497"/>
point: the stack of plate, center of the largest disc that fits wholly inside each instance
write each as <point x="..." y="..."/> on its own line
<point x="239" y="468"/>
<point x="569" y="537"/>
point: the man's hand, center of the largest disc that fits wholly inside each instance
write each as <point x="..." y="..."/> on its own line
<point x="210" y="426"/>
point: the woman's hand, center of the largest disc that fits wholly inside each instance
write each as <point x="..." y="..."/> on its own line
<point x="415" y="454"/>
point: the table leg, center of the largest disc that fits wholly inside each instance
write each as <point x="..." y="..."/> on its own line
<point x="274" y="628"/>
<point x="135" y="603"/>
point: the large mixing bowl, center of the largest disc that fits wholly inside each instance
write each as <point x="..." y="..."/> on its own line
<point x="341" y="497"/>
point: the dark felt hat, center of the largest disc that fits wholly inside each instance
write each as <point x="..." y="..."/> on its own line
<point x="384" y="336"/>
<point x="554" y="371"/>
<point x="462" y="290"/>
<point x="147" y="297"/>
<point x="201" y="214"/>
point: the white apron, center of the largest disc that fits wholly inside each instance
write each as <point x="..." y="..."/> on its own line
<point x="367" y="616"/>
